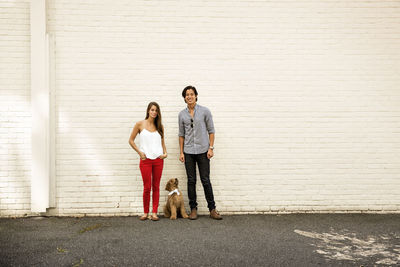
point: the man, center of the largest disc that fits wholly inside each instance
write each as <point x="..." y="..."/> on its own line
<point x="196" y="142"/>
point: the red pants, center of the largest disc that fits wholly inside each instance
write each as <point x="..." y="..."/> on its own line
<point x="151" y="170"/>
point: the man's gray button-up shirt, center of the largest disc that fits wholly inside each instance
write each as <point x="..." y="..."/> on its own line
<point x="196" y="138"/>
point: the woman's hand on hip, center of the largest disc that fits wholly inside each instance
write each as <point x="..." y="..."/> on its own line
<point x="142" y="156"/>
<point x="163" y="156"/>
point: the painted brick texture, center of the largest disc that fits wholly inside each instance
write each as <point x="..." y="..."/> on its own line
<point x="15" y="118"/>
<point x="304" y="94"/>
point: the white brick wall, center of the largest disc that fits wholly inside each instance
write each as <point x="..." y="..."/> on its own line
<point x="15" y="121"/>
<point x="305" y="97"/>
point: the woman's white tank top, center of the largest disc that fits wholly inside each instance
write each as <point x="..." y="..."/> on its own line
<point x="150" y="144"/>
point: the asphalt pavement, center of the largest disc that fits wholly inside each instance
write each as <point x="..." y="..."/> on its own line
<point x="237" y="240"/>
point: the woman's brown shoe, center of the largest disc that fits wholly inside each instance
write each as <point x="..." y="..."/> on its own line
<point x="154" y="218"/>
<point x="215" y="215"/>
<point x="143" y="218"/>
<point x="193" y="214"/>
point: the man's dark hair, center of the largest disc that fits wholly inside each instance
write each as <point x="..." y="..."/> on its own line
<point x="189" y="88"/>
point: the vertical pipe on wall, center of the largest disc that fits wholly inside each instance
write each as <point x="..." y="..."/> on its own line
<point x="40" y="108"/>
<point x="51" y="69"/>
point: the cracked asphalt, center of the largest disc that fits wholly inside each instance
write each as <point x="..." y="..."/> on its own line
<point x="237" y="240"/>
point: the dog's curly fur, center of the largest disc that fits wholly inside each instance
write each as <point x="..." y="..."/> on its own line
<point x="175" y="204"/>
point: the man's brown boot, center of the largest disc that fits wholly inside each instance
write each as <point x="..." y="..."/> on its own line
<point x="193" y="214"/>
<point x="215" y="215"/>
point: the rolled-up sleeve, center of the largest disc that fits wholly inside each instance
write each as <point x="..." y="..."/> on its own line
<point x="209" y="121"/>
<point x="181" y="125"/>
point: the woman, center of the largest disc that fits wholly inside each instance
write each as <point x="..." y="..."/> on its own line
<point x="152" y="153"/>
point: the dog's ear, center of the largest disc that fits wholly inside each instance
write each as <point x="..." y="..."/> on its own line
<point x="176" y="182"/>
<point x="168" y="186"/>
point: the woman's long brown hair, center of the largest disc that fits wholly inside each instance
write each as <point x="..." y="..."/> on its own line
<point x="157" y="120"/>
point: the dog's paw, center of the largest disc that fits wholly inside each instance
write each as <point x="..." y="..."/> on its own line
<point x="185" y="216"/>
<point x="173" y="217"/>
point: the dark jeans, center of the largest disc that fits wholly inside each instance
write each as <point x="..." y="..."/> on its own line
<point x="204" y="168"/>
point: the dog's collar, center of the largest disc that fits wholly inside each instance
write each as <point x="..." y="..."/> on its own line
<point x="174" y="191"/>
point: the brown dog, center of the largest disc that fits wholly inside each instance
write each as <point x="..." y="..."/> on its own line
<point x="174" y="203"/>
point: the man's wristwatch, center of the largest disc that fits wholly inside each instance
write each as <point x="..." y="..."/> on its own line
<point x="211" y="147"/>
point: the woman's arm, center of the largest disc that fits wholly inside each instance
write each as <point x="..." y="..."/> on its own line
<point x="164" y="155"/>
<point x="134" y="133"/>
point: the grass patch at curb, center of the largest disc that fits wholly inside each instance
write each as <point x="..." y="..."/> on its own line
<point x="90" y="228"/>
